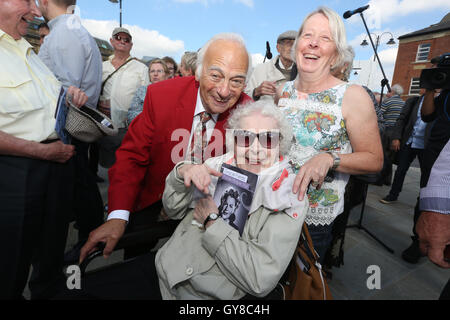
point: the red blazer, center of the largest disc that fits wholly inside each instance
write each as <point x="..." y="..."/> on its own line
<point x="144" y="159"/>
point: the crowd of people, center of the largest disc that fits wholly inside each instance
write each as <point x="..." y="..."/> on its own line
<point x="294" y="121"/>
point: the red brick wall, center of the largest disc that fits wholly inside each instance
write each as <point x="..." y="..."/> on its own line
<point x="404" y="66"/>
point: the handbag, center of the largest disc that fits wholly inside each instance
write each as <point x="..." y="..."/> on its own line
<point x="305" y="279"/>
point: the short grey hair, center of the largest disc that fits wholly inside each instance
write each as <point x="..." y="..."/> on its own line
<point x="397" y="89"/>
<point x="190" y="60"/>
<point x="228" y="36"/>
<point x="267" y="109"/>
<point x="338" y="33"/>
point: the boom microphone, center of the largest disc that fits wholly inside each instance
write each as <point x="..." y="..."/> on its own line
<point x="349" y="13"/>
<point x="268" y="53"/>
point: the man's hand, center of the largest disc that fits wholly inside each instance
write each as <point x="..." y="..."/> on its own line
<point x="433" y="229"/>
<point x="55" y="151"/>
<point x="395" y="145"/>
<point x="109" y="233"/>
<point x="79" y="98"/>
<point x="266" y="88"/>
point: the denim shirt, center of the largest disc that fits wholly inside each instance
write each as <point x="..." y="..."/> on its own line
<point x="417" y="138"/>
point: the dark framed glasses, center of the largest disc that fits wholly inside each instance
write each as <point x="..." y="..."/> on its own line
<point x="120" y="38"/>
<point x="268" y="139"/>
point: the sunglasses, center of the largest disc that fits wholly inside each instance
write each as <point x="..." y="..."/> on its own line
<point x="268" y="139"/>
<point x="125" y="39"/>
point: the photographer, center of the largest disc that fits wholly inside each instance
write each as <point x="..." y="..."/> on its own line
<point x="435" y="108"/>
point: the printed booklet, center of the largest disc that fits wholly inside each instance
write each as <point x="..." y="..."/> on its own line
<point x="234" y="195"/>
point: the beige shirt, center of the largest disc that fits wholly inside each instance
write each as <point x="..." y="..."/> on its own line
<point x="122" y="86"/>
<point x="219" y="263"/>
<point x="265" y="72"/>
<point x="28" y="92"/>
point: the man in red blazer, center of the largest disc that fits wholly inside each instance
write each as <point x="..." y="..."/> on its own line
<point x="158" y="138"/>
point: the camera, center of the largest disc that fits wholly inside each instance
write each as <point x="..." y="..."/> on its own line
<point x="437" y="78"/>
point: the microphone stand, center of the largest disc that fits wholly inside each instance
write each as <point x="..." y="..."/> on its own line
<point x="366" y="179"/>
<point x="385" y="81"/>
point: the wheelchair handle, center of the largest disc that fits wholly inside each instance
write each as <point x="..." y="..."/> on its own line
<point x="83" y="265"/>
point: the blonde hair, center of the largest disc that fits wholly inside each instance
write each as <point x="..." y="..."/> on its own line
<point x="338" y="34"/>
<point x="161" y="62"/>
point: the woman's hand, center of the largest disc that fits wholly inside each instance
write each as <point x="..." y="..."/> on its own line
<point x="314" y="170"/>
<point x="199" y="175"/>
<point x="204" y="208"/>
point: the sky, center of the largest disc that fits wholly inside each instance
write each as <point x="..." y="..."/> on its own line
<point x="171" y="27"/>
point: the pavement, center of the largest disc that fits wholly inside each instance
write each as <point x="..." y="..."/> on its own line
<point x="370" y="272"/>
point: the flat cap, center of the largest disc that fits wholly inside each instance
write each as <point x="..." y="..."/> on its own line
<point x="119" y="30"/>
<point x="290" y="35"/>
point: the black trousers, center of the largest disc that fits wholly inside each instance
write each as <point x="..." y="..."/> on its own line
<point x="135" y="279"/>
<point x="406" y="156"/>
<point x="138" y="221"/>
<point x="36" y="200"/>
<point x="88" y="206"/>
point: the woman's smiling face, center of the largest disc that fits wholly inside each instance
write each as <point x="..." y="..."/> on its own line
<point x="316" y="50"/>
<point x="257" y="156"/>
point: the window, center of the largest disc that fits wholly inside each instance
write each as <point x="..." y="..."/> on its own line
<point x="422" y="52"/>
<point x="414" y="89"/>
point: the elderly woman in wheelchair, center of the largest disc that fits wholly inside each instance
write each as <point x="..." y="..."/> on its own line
<point x="206" y="257"/>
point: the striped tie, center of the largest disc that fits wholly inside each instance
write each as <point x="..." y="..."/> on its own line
<point x="199" y="139"/>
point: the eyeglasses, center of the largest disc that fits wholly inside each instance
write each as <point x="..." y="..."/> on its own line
<point x="268" y="139"/>
<point x="157" y="71"/>
<point x="125" y="39"/>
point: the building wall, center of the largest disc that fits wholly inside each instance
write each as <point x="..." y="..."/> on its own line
<point x="406" y="66"/>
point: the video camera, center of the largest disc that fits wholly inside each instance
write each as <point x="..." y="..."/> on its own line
<point x="437" y="78"/>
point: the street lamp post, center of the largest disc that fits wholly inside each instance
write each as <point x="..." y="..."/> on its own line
<point x="120" y="4"/>
<point x="377" y="43"/>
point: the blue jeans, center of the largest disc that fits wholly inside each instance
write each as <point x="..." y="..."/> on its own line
<point x="321" y="237"/>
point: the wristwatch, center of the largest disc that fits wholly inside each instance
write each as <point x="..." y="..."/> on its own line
<point x="212" y="216"/>
<point x="336" y="160"/>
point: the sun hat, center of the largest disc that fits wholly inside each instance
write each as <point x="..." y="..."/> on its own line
<point x="87" y="124"/>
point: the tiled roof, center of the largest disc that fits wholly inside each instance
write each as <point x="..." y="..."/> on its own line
<point x="441" y="26"/>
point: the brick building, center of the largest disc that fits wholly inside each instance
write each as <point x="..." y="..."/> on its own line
<point x="415" y="51"/>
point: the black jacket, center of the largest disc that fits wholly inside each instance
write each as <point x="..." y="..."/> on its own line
<point x="406" y="121"/>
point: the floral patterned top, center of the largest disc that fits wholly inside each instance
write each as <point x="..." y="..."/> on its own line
<point x="318" y="127"/>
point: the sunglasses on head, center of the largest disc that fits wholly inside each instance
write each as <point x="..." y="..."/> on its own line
<point x="120" y="38"/>
<point x="268" y="139"/>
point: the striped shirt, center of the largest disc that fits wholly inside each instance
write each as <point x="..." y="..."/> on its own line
<point x="436" y="195"/>
<point x="392" y="107"/>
